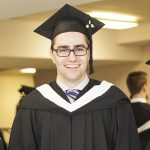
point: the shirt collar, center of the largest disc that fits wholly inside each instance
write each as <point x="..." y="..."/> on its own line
<point x="138" y="100"/>
<point x="80" y="86"/>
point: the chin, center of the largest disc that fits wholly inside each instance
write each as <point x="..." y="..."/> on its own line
<point x="73" y="77"/>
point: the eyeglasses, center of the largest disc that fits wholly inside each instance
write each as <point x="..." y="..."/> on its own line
<point x="64" y="52"/>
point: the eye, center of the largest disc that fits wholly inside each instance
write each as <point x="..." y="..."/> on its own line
<point x="80" y="49"/>
<point x="62" y="50"/>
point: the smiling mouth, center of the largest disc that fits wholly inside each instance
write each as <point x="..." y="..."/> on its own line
<point x="72" y="66"/>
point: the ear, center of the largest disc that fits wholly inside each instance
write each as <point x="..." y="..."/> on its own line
<point x="144" y="88"/>
<point x="88" y="53"/>
<point x="52" y="56"/>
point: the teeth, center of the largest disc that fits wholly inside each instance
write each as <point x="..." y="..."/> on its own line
<point x="72" y="66"/>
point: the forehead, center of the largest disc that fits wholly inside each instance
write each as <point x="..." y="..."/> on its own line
<point x="70" y="38"/>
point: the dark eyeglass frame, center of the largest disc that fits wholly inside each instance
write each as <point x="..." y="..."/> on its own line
<point x="70" y="50"/>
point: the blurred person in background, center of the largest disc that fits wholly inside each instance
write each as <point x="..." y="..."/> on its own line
<point x="138" y="88"/>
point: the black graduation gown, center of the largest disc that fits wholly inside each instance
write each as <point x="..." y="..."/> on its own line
<point x="100" y="119"/>
<point x="1" y="144"/>
<point x="142" y="115"/>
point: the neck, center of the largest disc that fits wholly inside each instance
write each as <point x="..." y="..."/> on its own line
<point x="71" y="83"/>
<point x="140" y="95"/>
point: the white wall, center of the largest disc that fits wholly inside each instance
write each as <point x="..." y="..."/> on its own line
<point x="117" y="74"/>
<point x="9" y="96"/>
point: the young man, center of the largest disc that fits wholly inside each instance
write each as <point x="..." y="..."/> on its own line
<point x="137" y="85"/>
<point x="73" y="112"/>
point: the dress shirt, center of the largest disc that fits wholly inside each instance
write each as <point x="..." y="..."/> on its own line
<point x="80" y="86"/>
<point x="138" y="100"/>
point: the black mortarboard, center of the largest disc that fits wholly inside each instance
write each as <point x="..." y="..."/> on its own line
<point x="148" y="62"/>
<point x="26" y="89"/>
<point x="69" y="19"/>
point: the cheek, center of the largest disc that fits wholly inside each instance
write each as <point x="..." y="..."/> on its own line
<point x="59" y="62"/>
<point x="56" y="60"/>
<point x="85" y="62"/>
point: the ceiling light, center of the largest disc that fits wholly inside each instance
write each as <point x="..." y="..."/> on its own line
<point x="115" y="21"/>
<point x="118" y="24"/>
<point x="113" y="16"/>
<point x="28" y="70"/>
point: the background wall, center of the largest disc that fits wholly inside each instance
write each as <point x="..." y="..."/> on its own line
<point x="10" y="96"/>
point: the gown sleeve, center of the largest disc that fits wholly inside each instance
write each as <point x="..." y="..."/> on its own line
<point x="127" y="136"/>
<point x="1" y="144"/>
<point x="23" y="136"/>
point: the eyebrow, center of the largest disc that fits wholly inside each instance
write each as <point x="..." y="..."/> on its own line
<point x="67" y="46"/>
<point x="63" y="46"/>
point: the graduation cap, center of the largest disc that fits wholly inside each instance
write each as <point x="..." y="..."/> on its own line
<point x="148" y="62"/>
<point x="70" y="19"/>
<point x="26" y="89"/>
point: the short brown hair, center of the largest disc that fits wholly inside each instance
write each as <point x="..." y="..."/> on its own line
<point x="53" y="42"/>
<point x="135" y="81"/>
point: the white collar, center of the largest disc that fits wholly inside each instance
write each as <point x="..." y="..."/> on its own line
<point x="138" y="100"/>
<point x="80" y="86"/>
<point x="89" y="96"/>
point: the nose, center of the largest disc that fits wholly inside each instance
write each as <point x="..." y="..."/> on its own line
<point x="72" y="56"/>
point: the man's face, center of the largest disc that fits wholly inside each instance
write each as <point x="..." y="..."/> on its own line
<point x="71" y="68"/>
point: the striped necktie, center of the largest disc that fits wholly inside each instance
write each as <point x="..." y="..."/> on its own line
<point x="73" y="93"/>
